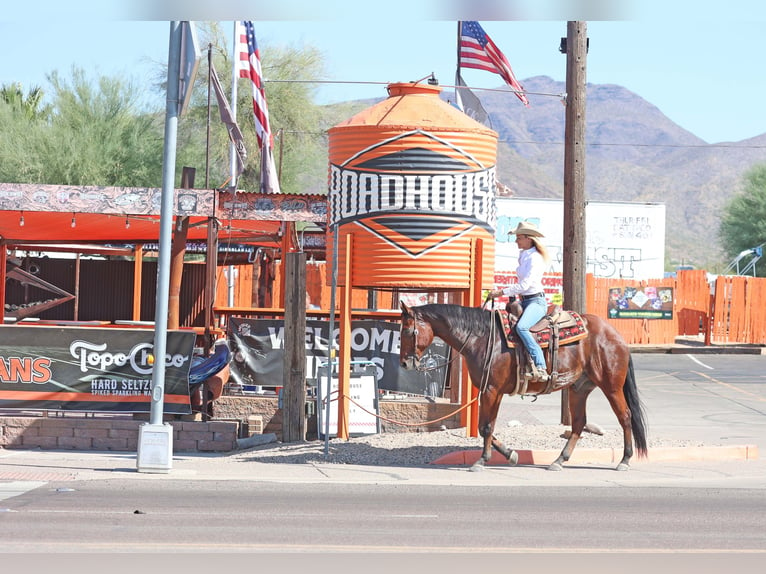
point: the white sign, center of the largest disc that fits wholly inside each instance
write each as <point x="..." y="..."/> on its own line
<point x="623" y="240"/>
<point x="363" y="406"/>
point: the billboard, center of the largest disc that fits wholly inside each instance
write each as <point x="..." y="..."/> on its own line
<point x="623" y="240"/>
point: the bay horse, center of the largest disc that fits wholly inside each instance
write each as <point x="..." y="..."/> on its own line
<point x="600" y="359"/>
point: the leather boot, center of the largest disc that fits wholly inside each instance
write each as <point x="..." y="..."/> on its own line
<point x="540" y="375"/>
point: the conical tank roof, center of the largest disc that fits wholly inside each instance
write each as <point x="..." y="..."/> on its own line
<point x="413" y="104"/>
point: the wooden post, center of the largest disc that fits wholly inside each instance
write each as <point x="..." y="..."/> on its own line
<point x="472" y="298"/>
<point x="574" y="260"/>
<point x="344" y="342"/>
<point x="138" y="270"/>
<point x="211" y="274"/>
<point x="3" y="263"/>
<point x="177" y="253"/>
<point x="77" y="287"/>
<point x="288" y="228"/>
<point x="294" y="366"/>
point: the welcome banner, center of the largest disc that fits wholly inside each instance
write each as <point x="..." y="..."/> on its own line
<point x="90" y="369"/>
<point x="258" y="349"/>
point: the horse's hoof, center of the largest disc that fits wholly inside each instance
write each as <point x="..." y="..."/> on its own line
<point x="555" y="466"/>
<point x="622" y="466"/>
<point x="513" y="458"/>
<point x="476" y="468"/>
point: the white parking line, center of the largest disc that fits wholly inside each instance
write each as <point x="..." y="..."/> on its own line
<point x="696" y="360"/>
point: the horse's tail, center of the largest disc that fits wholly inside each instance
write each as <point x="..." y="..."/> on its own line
<point x="637" y="414"/>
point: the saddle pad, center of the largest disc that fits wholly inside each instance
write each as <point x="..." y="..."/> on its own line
<point x="566" y="334"/>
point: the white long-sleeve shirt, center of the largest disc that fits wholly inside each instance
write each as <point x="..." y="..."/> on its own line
<point x="529" y="272"/>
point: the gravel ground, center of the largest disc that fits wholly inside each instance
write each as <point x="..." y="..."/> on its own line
<point x="415" y="449"/>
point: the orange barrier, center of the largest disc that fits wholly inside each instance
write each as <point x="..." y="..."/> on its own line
<point x="739" y="315"/>
<point x="693" y="302"/>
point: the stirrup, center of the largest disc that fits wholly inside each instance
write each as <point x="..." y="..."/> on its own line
<point x="539" y="375"/>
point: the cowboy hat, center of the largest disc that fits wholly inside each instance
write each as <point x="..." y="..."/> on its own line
<point x="526" y="228"/>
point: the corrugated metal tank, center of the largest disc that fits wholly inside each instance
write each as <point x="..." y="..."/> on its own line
<point x="413" y="180"/>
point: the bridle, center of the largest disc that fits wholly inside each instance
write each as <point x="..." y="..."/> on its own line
<point x="416" y="360"/>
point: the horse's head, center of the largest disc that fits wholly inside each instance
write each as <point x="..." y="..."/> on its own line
<point x="414" y="338"/>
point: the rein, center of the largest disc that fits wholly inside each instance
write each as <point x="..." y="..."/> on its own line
<point x="446" y="363"/>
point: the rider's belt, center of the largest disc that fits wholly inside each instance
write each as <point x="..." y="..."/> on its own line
<point x="533" y="295"/>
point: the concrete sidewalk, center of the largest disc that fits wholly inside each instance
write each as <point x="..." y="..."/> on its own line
<point x="723" y="422"/>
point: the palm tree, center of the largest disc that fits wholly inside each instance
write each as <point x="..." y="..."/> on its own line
<point x="30" y="104"/>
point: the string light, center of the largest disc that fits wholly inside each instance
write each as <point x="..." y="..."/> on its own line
<point x="21" y="220"/>
<point x="74" y="221"/>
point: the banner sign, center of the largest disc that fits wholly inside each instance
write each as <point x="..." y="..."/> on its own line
<point x="258" y="353"/>
<point x="640" y="303"/>
<point x="90" y="369"/>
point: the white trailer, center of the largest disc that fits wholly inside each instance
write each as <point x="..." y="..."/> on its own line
<point x="623" y="240"/>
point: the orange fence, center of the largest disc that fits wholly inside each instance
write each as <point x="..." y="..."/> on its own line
<point x="739" y="312"/>
<point x="734" y="312"/>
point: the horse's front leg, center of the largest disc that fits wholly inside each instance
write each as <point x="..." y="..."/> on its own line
<point x="511" y="455"/>
<point x="486" y="433"/>
<point x="490" y="442"/>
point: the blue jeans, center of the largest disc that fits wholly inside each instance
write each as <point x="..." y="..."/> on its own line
<point x="534" y="310"/>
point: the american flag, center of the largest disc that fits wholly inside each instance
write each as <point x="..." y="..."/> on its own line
<point x="477" y="50"/>
<point x="249" y="64"/>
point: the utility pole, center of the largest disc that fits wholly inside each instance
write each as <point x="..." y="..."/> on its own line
<point x="574" y="263"/>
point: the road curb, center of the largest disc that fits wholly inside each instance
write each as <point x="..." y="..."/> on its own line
<point x="692" y="350"/>
<point x="606" y="455"/>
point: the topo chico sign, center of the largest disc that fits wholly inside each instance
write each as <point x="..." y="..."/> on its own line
<point x="87" y="369"/>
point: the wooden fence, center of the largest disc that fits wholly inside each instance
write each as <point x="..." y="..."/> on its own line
<point x="733" y="311"/>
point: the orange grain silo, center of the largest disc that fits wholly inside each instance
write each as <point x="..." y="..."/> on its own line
<point x="412" y="178"/>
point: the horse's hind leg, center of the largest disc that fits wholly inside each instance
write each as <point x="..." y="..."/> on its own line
<point x="577" y="400"/>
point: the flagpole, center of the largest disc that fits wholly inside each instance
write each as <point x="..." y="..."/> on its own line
<point x="207" y="135"/>
<point x="234" y="78"/>
<point x="459" y="31"/>
<point x="232" y="149"/>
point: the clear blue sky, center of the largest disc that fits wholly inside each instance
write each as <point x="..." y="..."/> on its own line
<point x="699" y="62"/>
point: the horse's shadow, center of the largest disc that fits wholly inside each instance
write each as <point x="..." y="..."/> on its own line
<point x="362" y="454"/>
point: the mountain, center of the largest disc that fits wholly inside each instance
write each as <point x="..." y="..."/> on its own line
<point x="633" y="153"/>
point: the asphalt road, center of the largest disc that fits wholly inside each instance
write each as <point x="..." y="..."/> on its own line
<point x="183" y="516"/>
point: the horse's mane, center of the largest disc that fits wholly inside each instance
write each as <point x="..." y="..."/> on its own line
<point x="461" y="319"/>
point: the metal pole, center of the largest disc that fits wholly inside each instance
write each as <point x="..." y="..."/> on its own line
<point x="166" y="225"/>
<point x="155" y="440"/>
<point x="233" y="149"/>
<point x="330" y="353"/>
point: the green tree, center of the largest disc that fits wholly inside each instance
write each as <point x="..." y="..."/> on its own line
<point x="93" y="134"/>
<point x="297" y="124"/>
<point x="743" y="225"/>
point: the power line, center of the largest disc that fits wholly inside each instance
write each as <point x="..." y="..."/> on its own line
<point x="502" y="90"/>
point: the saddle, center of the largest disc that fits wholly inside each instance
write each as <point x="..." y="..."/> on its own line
<point x="558" y="327"/>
